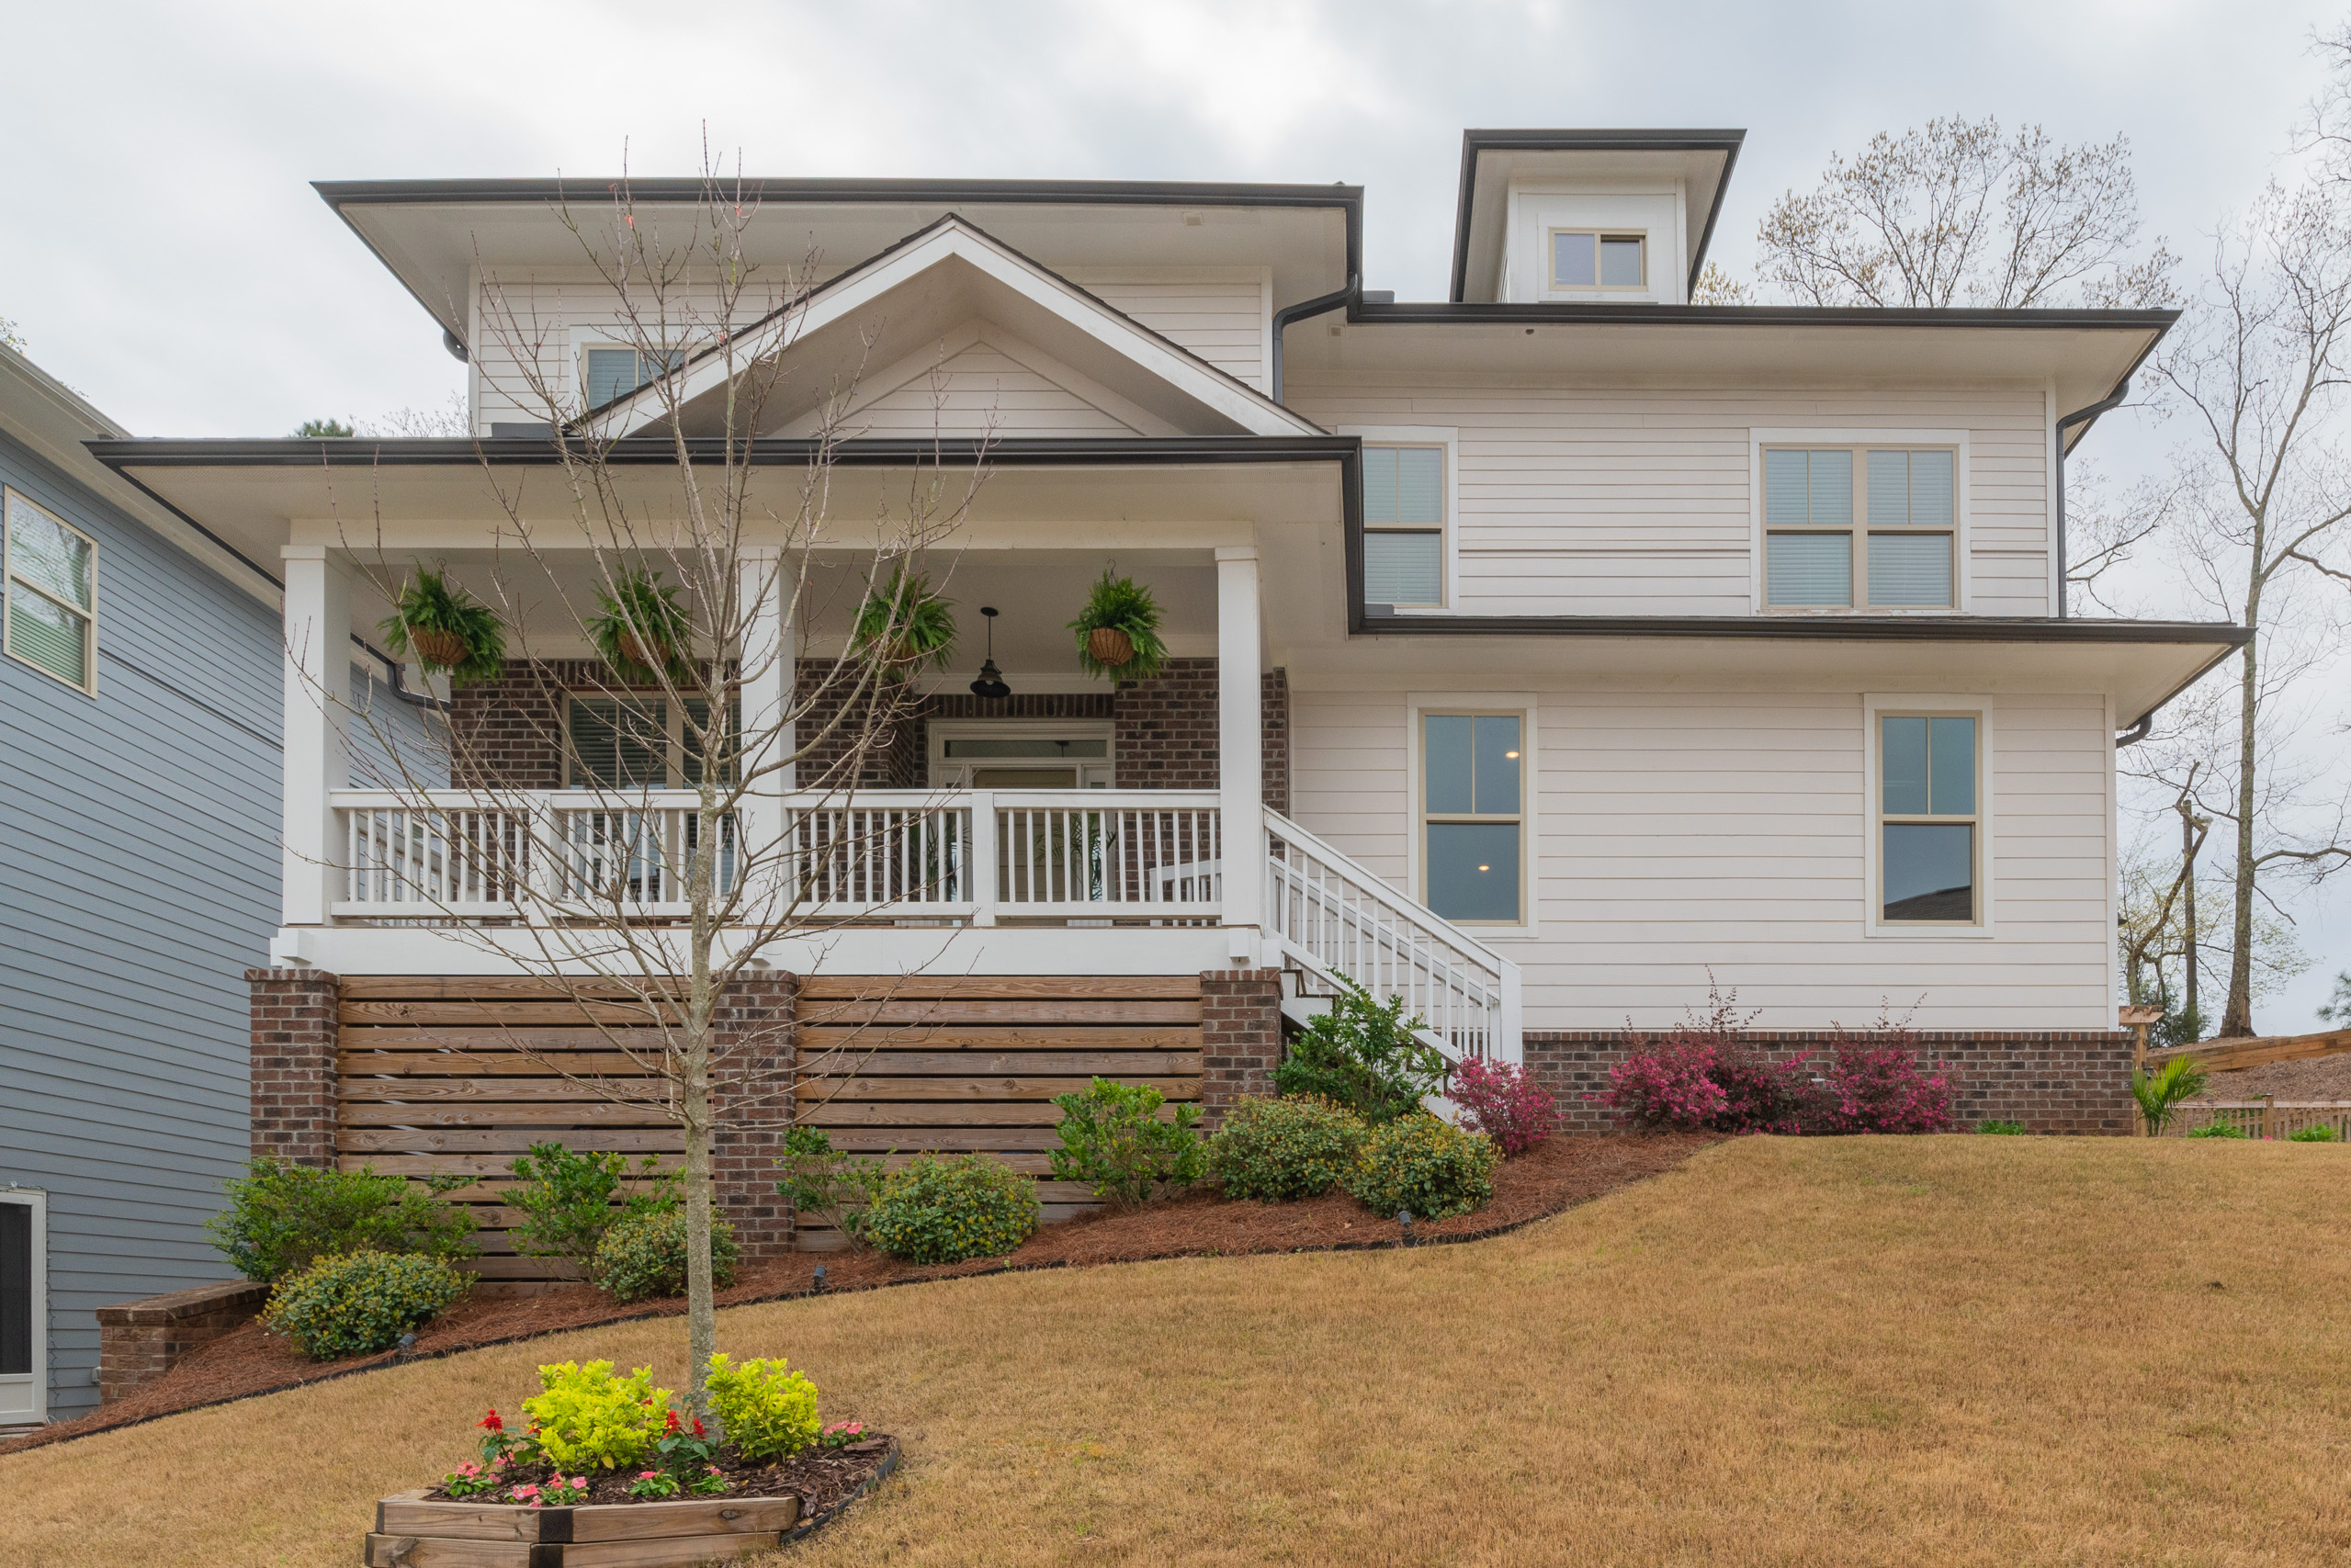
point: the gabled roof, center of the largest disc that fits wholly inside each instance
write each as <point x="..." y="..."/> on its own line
<point x="1702" y="159"/>
<point x="884" y="315"/>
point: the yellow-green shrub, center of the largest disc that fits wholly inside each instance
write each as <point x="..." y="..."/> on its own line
<point x="589" y="1419"/>
<point x="768" y="1410"/>
<point x="944" y="1211"/>
<point x="1430" y="1168"/>
<point x="359" y="1303"/>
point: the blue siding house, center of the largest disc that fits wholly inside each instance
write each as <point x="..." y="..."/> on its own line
<point x="140" y="773"/>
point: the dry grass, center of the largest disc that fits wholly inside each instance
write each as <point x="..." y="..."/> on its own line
<point x="1994" y="1351"/>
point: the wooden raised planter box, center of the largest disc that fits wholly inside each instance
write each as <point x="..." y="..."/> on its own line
<point x="413" y="1533"/>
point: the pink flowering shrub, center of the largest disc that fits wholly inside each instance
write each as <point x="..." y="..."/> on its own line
<point x="1665" y="1086"/>
<point x="1875" y="1085"/>
<point x="1502" y="1100"/>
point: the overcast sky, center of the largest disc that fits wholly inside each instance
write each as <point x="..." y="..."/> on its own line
<point x="168" y="258"/>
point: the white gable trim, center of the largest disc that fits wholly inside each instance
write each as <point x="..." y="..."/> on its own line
<point x="953" y="239"/>
<point x="974" y="334"/>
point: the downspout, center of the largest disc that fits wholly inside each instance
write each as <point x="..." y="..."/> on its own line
<point x="2136" y="733"/>
<point x="1303" y="309"/>
<point x="2076" y="417"/>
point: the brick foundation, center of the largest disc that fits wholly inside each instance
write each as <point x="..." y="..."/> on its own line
<point x="139" y="1341"/>
<point x="293" y="1065"/>
<point x="2071" y="1082"/>
<point x="1240" y="1037"/>
<point x="753" y="1048"/>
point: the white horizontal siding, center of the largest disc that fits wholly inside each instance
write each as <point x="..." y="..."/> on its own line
<point x="1616" y="499"/>
<point x="978" y="391"/>
<point x="1680" y="831"/>
<point x="1220" y="314"/>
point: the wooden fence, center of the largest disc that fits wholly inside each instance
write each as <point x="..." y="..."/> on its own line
<point x="2268" y="1117"/>
<point x="2227" y="1056"/>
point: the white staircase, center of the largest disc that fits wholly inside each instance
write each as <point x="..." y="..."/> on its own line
<point x="1334" y="921"/>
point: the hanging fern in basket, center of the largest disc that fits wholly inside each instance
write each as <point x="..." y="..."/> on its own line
<point x="1118" y="631"/>
<point x="902" y="625"/>
<point x="642" y="632"/>
<point x="447" y="628"/>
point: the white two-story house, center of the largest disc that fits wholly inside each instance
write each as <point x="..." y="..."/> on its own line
<point x="1538" y="652"/>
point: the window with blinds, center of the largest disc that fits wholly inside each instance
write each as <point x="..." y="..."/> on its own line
<point x="1404" y="526"/>
<point x="51" y="603"/>
<point x="611" y="373"/>
<point x="636" y="743"/>
<point x="1870" y="526"/>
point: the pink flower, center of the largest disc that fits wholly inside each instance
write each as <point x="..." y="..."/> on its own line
<point x="646" y="1474"/>
<point x="525" y="1490"/>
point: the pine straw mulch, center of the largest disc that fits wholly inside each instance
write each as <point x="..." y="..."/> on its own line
<point x="2320" y="1077"/>
<point x="1558" y="1174"/>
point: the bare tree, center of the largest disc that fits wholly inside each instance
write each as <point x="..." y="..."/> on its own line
<point x="1964" y="213"/>
<point x="677" y="544"/>
<point x="2259" y="370"/>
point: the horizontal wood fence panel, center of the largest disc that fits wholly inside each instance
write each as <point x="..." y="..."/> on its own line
<point x="839" y="1089"/>
<point x="441" y="1066"/>
<point x="490" y="1167"/>
<point x="484" y="987"/>
<point x="577" y="1037"/>
<point x="1027" y="1009"/>
<point x="932" y="1140"/>
<point x="412" y="1089"/>
<point x="815" y="1039"/>
<point x="478" y="1014"/>
<point x="444" y="1139"/>
<point x="1090" y="1063"/>
<point x="570" y="1117"/>
<point x="969" y="987"/>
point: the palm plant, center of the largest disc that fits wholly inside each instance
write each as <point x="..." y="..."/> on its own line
<point x="447" y="629"/>
<point x="902" y="625"/>
<point x="2159" y="1093"/>
<point x="641" y="631"/>
<point x="1118" y="631"/>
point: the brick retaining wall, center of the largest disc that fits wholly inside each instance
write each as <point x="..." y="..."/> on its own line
<point x="139" y="1341"/>
<point x="1240" y="1037"/>
<point x="753" y="1044"/>
<point x="293" y="1045"/>
<point x="2074" y="1081"/>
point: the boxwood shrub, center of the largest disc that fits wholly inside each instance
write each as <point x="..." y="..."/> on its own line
<point x="1275" y="1150"/>
<point x="1430" y="1168"/>
<point x="359" y="1303"/>
<point x="644" y="1255"/>
<point x="944" y="1211"/>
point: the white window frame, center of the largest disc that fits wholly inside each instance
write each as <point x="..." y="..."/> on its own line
<point x="10" y="495"/>
<point x="38" y="1201"/>
<point x="942" y="773"/>
<point x="1552" y="285"/>
<point x="1522" y="705"/>
<point x="673" y="739"/>
<point x="1938" y="705"/>
<point x="579" y="366"/>
<point x="1448" y="533"/>
<point x="1859" y="441"/>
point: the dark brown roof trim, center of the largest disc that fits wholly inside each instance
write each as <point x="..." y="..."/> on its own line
<point x="538" y="451"/>
<point x="1473" y="142"/>
<point x="1820" y="628"/>
<point x="1582" y="313"/>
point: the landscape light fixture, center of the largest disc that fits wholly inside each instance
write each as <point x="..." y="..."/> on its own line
<point x="992" y="679"/>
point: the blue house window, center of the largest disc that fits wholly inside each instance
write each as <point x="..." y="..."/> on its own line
<point x="53" y="595"/>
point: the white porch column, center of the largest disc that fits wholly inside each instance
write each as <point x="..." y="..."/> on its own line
<point x="318" y="752"/>
<point x="1240" y="747"/>
<point x="767" y="671"/>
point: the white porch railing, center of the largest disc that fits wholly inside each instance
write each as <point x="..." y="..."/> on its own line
<point x="459" y="856"/>
<point x="1337" y="920"/>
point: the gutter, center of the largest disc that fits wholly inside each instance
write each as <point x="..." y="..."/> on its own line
<point x="1350" y="296"/>
<point x="2121" y="391"/>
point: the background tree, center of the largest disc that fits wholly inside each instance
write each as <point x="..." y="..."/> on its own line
<point x="700" y="552"/>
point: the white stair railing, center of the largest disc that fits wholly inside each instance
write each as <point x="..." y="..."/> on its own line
<point x="1333" y="919"/>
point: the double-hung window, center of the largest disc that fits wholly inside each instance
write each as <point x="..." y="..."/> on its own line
<point x="1930" y="840"/>
<point x="52" y="572"/>
<point x="636" y="743"/>
<point x="1870" y="526"/>
<point x="1404" y="524"/>
<point x="1593" y="258"/>
<point x="1472" y="813"/>
<point x="611" y="373"/>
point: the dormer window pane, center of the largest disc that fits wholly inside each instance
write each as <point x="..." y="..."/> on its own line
<point x="616" y="372"/>
<point x="1573" y="262"/>
<point x="1621" y="262"/>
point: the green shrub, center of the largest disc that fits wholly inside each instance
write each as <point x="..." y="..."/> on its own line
<point x="1112" y="1140"/>
<point x="2004" y="1129"/>
<point x="1363" y="1055"/>
<point x="357" y="1304"/>
<point x="825" y="1184"/>
<point x="768" y="1411"/>
<point x="589" y="1419"/>
<point x="1430" y="1168"/>
<point x="644" y="1255"/>
<point x="280" y="1217"/>
<point x="2159" y="1093"/>
<point x="2322" y="1133"/>
<point x="2219" y="1130"/>
<point x="568" y="1200"/>
<point x="942" y="1210"/>
<point x="1275" y="1150"/>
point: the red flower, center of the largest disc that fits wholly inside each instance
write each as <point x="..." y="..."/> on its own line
<point x="697" y="1425"/>
<point x="491" y="1423"/>
<point x="673" y="1423"/>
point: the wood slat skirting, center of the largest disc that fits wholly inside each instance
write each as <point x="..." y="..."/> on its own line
<point x="902" y="987"/>
<point x="556" y="1123"/>
<point x="484" y="987"/>
<point x="922" y="1114"/>
<point x="412" y="1090"/>
<point x="956" y="1009"/>
<point x="579" y="1037"/>
<point x="1103" y="1063"/>
<point x="837" y="1091"/>
<point x="441" y="1066"/>
<point x="490" y="1167"/>
<point x="583" y="1014"/>
<point x="448" y="1140"/>
<point x="817" y="1038"/>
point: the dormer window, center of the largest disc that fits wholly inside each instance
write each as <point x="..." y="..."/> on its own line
<point x="611" y="373"/>
<point x="1591" y="258"/>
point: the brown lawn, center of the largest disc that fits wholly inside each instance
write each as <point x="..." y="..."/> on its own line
<point x="1954" y="1350"/>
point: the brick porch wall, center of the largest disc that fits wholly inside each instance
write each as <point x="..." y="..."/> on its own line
<point x="293" y="1045"/>
<point x="139" y="1341"/>
<point x="755" y="1050"/>
<point x="2053" y="1081"/>
<point x="1240" y="1037"/>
